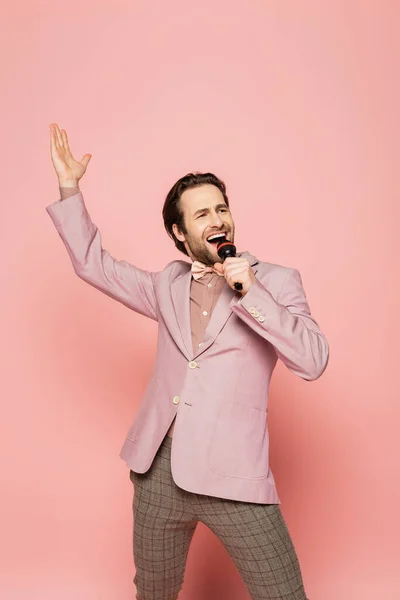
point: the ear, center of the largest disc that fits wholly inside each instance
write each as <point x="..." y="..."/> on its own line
<point x="180" y="236"/>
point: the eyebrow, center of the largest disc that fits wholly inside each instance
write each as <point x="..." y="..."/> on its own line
<point x="200" y="210"/>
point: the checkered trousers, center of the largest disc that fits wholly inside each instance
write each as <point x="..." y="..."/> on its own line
<point x="165" y="518"/>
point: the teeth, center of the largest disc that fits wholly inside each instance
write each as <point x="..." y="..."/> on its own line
<point x="215" y="236"/>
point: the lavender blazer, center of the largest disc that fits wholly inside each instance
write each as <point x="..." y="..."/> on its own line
<point x="219" y="393"/>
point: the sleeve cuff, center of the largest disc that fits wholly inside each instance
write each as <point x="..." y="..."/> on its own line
<point x="258" y="302"/>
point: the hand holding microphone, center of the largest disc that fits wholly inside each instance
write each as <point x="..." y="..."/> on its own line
<point x="226" y="249"/>
<point x="236" y="270"/>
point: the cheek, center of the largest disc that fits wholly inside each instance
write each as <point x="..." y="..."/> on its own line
<point x="199" y="232"/>
<point x="196" y="233"/>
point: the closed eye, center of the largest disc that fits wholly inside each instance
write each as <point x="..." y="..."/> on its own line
<point x="204" y="214"/>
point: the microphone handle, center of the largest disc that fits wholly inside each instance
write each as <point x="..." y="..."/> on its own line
<point x="230" y="250"/>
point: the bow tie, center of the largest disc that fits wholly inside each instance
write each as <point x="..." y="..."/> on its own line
<point x="199" y="269"/>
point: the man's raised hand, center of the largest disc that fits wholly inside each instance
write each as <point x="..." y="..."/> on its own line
<point x="69" y="171"/>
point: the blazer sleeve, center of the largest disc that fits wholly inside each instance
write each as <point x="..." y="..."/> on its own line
<point x="122" y="281"/>
<point x="287" y="324"/>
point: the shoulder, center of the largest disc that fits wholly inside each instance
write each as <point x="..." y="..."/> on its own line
<point x="274" y="276"/>
<point x="174" y="269"/>
<point x="268" y="269"/>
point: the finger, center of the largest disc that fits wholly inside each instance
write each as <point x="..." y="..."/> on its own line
<point x="240" y="263"/>
<point x="236" y="263"/>
<point x="54" y="146"/>
<point x="54" y="136"/>
<point x="231" y="260"/>
<point x="235" y="259"/>
<point x="65" y="140"/>
<point x="235" y="271"/>
<point x="85" y="159"/>
<point x="59" y="141"/>
<point x="52" y="140"/>
<point x="235" y="279"/>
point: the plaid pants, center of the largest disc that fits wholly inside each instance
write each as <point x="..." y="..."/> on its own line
<point x="165" y="519"/>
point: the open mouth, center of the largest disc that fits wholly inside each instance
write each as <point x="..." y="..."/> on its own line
<point x="215" y="238"/>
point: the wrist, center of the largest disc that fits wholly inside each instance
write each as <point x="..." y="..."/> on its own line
<point x="68" y="183"/>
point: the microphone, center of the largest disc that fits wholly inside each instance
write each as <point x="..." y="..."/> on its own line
<point x="225" y="249"/>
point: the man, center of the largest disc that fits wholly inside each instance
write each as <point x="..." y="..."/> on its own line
<point x="198" y="449"/>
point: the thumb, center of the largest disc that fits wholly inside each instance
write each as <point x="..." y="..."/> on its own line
<point x="85" y="160"/>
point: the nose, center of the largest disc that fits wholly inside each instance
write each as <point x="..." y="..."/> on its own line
<point x="216" y="220"/>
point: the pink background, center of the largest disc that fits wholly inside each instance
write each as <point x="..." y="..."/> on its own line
<point x="296" y="106"/>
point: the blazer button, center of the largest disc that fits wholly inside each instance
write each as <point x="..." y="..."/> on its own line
<point x="256" y="314"/>
<point x="176" y="400"/>
<point x="252" y="310"/>
<point x="193" y="364"/>
<point x="261" y="319"/>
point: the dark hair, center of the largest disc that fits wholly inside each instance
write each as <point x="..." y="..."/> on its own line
<point x="172" y="212"/>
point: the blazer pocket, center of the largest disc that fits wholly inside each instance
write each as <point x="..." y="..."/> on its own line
<point x="239" y="445"/>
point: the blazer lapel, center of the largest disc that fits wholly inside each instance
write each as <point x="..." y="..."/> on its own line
<point x="219" y="316"/>
<point x="180" y="291"/>
<point x="222" y="310"/>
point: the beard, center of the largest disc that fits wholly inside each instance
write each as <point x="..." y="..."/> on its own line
<point x="203" y="251"/>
